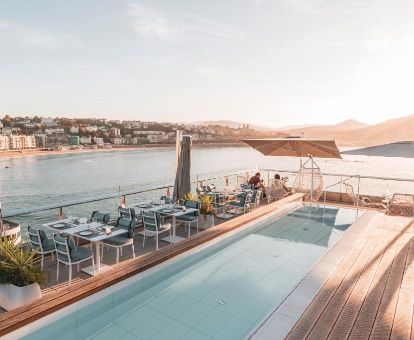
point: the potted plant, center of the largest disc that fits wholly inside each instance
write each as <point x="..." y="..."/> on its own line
<point x="19" y="278"/>
<point x="206" y="211"/>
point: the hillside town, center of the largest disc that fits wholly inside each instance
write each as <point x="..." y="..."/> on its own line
<point x="22" y="133"/>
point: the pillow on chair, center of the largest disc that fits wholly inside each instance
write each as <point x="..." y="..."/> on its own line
<point x="73" y="250"/>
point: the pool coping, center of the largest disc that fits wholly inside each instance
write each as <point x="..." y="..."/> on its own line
<point x="278" y="323"/>
<point x="67" y="297"/>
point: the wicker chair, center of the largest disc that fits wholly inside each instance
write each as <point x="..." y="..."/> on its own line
<point x="363" y="201"/>
<point x="401" y="204"/>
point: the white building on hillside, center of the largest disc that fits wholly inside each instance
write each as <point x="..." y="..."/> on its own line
<point x="98" y="141"/>
<point x="20" y="142"/>
<point x="4" y="142"/>
<point x="85" y="140"/>
<point x="91" y="128"/>
<point x="74" y="130"/>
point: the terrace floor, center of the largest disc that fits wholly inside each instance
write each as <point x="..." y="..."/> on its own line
<point x="109" y="258"/>
<point x="367" y="293"/>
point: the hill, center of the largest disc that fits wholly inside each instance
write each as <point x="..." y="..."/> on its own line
<point x="354" y="133"/>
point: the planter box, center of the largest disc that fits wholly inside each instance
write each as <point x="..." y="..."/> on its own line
<point x="206" y="221"/>
<point x="12" y="297"/>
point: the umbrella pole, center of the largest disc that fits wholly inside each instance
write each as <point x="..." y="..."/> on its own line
<point x="1" y="223"/>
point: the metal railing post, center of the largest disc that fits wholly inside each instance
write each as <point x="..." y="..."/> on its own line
<point x="359" y="182"/>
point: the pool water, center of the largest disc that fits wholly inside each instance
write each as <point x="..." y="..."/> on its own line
<point x="222" y="292"/>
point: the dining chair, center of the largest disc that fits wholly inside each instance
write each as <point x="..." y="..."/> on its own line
<point x="243" y="205"/>
<point x="190" y="218"/>
<point x="124" y="240"/>
<point x="69" y="254"/>
<point x="41" y="244"/>
<point x="100" y="217"/>
<point x="153" y="226"/>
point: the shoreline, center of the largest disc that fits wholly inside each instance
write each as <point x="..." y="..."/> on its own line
<point x="4" y="155"/>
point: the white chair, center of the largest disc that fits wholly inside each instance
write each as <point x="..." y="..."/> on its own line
<point x="69" y="254"/>
<point x="40" y="243"/>
<point x="256" y="197"/>
<point x="153" y="226"/>
<point x="190" y="218"/>
<point x="120" y="241"/>
<point x="243" y="205"/>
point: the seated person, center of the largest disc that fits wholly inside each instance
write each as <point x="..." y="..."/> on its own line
<point x="256" y="182"/>
<point x="282" y="181"/>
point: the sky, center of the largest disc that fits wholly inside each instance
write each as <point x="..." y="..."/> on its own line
<point x="266" y="62"/>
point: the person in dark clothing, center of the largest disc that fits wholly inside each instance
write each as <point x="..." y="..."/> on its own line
<point x="256" y="182"/>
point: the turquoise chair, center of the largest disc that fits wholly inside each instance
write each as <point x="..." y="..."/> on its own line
<point x="69" y="254"/>
<point x="40" y="243"/>
<point x="120" y="241"/>
<point x="243" y="205"/>
<point x="190" y="218"/>
<point x="100" y="217"/>
<point x="153" y="226"/>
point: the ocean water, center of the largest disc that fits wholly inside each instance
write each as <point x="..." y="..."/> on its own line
<point x="42" y="180"/>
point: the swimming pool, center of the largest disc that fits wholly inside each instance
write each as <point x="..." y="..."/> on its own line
<point x="220" y="292"/>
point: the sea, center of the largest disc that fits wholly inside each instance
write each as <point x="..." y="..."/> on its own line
<point x="39" y="181"/>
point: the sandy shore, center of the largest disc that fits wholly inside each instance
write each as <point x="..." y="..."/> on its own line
<point x="42" y="152"/>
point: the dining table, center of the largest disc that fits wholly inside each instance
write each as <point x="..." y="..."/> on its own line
<point x="171" y="210"/>
<point x="93" y="232"/>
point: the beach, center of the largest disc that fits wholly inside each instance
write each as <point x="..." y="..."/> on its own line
<point x="46" y="152"/>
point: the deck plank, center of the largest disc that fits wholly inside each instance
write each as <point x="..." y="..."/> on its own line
<point x="302" y="329"/>
<point x="349" y="313"/>
<point x="368" y="309"/>
<point x="403" y="315"/>
<point x="370" y="294"/>
<point x="334" y="307"/>
<point x="385" y="315"/>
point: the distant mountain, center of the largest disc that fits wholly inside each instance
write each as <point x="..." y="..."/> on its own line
<point x="327" y="131"/>
<point x="350" y="124"/>
<point x="347" y="133"/>
<point x="354" y="133"/>
<point x="293" y="127"/>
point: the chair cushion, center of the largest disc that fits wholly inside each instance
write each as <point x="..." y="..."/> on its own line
<point x="127" y="224"/>
<point x="73" y="250"/>
<point x="47" y="243"/>
<point x="161" y="228"/>
<point x="81" y="254"/>
<point x="100" y="217"/>
<point x="118" y="240"/>
<point x="192" y="205"/>
<point x="187" y="218"/>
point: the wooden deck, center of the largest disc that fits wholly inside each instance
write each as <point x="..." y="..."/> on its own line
<point x="371" y="293"/>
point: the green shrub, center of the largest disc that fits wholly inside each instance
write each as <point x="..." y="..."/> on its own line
<point x="16" y="265"/>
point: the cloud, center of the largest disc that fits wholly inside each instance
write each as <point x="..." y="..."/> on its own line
<point x="304" y="5"/>
<point x="152" y="23"/>
<point x="11" y="33"/>
<point x="4" y="25"/>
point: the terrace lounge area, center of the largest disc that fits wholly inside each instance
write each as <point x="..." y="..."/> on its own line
<point x="374" y="229"/>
